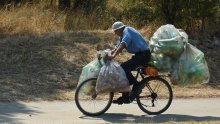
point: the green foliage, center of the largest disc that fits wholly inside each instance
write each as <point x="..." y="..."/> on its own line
<point x="193" y="15"/>
<point x="64" y="4"/>
<point x="138" y="14"/>
<point x="89" y="6"/>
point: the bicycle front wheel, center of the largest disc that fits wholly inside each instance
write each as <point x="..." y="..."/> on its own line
<point x="156" y="96"/>
<point x="90" y="103"/>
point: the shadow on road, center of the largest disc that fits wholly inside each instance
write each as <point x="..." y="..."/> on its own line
<point x="9" y="110"/>
<point x="120" y="117"/>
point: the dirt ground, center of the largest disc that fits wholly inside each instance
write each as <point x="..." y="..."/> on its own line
<point x="47" y="67"/>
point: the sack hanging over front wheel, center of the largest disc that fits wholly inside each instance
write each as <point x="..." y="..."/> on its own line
<point x="112" y="78"/>
<point x="91" y="70"/>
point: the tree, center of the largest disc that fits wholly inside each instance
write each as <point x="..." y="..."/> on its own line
<point x="64" y="4"/>
<point x="89" y="6"/>
<point x="193" y="13"/>
<point x="170" y="9"/>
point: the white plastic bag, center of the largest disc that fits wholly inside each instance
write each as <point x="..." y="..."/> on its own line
<point x="112" y="78"/>
<point x="91" y="70"/>
<point x="168" y="40"/>
<point x="191" y="67"/>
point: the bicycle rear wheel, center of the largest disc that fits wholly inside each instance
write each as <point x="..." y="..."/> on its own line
<point x="156" y="96"/>
<point x="90" y="103"/>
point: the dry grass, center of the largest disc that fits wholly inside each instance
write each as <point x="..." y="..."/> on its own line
<point x="150" y="28"/>
<point x="196" y="91"/>
<point x="31" y="19"/>
<point x="46" y="66"/>
<point x="39" y="19"/>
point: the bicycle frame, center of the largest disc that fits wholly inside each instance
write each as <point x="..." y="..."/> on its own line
<point x="140" y="72"/>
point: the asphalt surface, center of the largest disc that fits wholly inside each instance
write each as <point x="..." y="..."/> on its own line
<point x="56" y="112"/>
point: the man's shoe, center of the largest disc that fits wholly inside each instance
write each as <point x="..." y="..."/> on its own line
<point x="122" y="100"/>
<point x="132" y="97"/>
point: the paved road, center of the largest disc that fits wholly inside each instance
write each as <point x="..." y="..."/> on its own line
<point x="66" y="112"/>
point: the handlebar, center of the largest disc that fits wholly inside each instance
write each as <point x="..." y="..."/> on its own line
<point x="102" y="55"/>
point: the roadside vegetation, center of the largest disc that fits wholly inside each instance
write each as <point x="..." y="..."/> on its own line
<point x="45" y="44"/>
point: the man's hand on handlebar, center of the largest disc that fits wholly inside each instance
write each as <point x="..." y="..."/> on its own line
<point x="109" y="57"/>
<point x="112" y="51"/>
<point x="112" y="56"/>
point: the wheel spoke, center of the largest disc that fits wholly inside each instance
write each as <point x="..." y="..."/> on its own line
<point x="157" y="87"/>
<point x="89" y="102"/>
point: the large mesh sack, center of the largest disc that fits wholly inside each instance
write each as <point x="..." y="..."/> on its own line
<point x="91" y="70"/>
<point x="112" y="78"/>
<point x="168" y="40"/>
<point x="191" y="67"/>
<point x="161" y="62"/>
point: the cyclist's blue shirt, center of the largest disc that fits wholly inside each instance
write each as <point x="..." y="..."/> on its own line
<point x="133" y="40"/>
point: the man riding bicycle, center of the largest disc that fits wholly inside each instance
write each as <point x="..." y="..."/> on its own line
<point x="134" y="43"/>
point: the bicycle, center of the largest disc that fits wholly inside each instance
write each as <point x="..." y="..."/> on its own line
<point x="156" y="91"/>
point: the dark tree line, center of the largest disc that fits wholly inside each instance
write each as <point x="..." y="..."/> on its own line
<point x="86" y="5"/>
<point x="5" y="2"/>
<point x="64" y="4"/>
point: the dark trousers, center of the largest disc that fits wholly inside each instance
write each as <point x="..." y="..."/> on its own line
<point x="139" y="59"/>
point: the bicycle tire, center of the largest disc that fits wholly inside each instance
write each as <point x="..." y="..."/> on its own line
<point x="85" y="109"/>
<point x="151" y="102"/>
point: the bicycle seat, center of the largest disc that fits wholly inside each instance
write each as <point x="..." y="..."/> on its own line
<point x="141" y="67"/>
<point x="147" y="70"/>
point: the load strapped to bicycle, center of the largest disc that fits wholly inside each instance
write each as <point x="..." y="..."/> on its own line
<point x="171" y="53"/>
